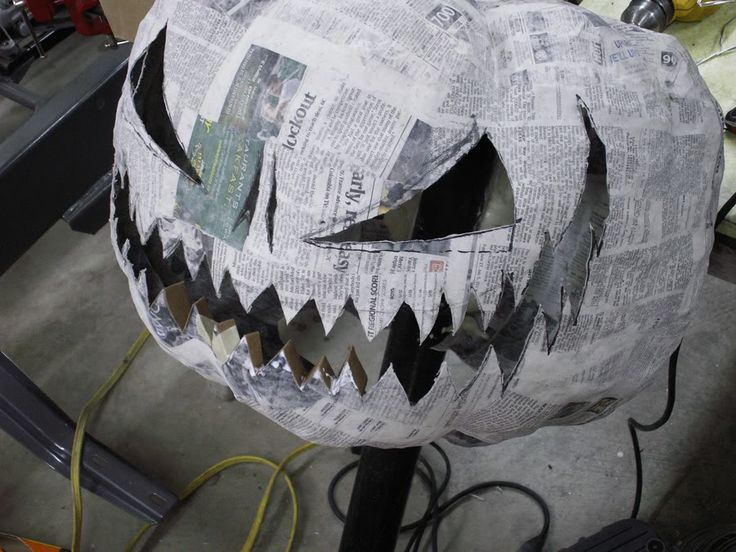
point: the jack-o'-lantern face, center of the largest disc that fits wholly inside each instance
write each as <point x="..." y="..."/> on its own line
<point x="292" y="196"/>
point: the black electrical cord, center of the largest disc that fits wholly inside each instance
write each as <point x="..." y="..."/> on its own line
<point x="427" y="476"/>
<point x="436" y="511"/>
<point x="715" y="539"/>
<point x="634" y="426"/>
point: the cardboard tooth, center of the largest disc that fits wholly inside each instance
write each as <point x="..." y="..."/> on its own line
<point x="296" y="363"/>
<point x="177" y="300"/>
<point x="326" y="373"/>
<point x="357" y="371"/>
<point x="205" y="323"/>
<point x="255" y="348"/>
<point x="225" y="339"/>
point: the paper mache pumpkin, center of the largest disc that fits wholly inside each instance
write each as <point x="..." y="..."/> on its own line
<point x="527" y="187"/>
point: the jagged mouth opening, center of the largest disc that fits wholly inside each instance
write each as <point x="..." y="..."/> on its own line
<point x="486" y="202"/>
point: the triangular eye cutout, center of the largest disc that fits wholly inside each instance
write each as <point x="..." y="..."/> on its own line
<point x="560" y="275"/>
<point x="147" y="81"/>
<point x="473" y="195"/>
<point x="562" y="270"/>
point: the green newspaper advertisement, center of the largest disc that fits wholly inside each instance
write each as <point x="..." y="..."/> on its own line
<point x="228" y="154"/>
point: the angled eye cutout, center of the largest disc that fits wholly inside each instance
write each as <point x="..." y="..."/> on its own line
<point x="474" y="195"/>
<point x="455" y="202"/>
<point x="147" y="81"/>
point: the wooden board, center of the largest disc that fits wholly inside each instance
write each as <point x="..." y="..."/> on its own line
<point x="125" y="15"/>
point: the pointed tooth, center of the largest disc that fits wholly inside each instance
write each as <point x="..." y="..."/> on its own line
<point x="352" y="374"/>
<point x="193" y="263"/>
<point x="238" y="369"/>
<point x="443" y="391"/>
<point x="388" y="389"/>
<point x="327" y="374"/>
<point x="219" y="264"/>
<point x="194" y="254"/>
<point x="255" y="349"/>
<point x="457" y="301"/>
<point x="458" y="314"/>
<point x="291" y="305"/>
<point x="461" y="374"/>
<point x="374" y="319"/>
<point x="486" y="307"/>
<point x="357" y="372"/>
<point x="202" y="308"/>
<point x="296" y="364"/>
<point x="494" y="291"/>
<point x="133" y="207"/>
<point x="384" y="318"/>
<point x="146" y="223"/>
<point x="456" y="289"/>
<point x="178" y="303"/>
<point x="200" y="312"/>
<point x="170" y="246"/>
<point x="344" y="378"/>
<point x="217" y="273"/>
<point x="329" y="313"/>
<point x="425" y="313"/>
<point x="118" y="163"/>
<point x="246" y="294"/>
<point x="169" y="235"/>
<point x="225" y="339"/>
<point x="140" y="298"/>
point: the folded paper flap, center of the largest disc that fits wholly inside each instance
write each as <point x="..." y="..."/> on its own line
<point x="356" y="370"/>
<point x="226" y="326"/>
<point x="202" y="308"/>
<point x="255" y="349"/>
<point x="177" y="300"/>
<point x="225" y="339"/>
<point x="205" y="325"/>
<point x="326" y="372"/>
<point x="296" y="364"/>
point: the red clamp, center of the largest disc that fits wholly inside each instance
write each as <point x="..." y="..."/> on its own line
<point x="86" y="21"/>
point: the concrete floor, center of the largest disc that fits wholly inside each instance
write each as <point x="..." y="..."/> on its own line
<point x="67" y="320"/>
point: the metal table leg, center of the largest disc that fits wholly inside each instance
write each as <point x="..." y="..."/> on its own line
<point x="36" y="422"/>
<point x="19" y="94"/>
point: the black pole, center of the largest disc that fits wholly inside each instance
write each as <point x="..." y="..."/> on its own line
<point x="380" y="493"/>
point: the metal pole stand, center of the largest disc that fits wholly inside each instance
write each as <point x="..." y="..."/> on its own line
<point x="379" y="498"/>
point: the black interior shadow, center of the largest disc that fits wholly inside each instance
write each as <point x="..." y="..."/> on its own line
<point x="147" y="82"/>
<point x="452" y="205"/>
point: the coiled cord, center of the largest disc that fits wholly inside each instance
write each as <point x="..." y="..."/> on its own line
<point x="436" y="510"/>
